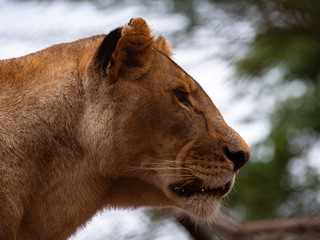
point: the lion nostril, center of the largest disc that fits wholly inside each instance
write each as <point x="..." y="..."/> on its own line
<point x="239" y="158"/>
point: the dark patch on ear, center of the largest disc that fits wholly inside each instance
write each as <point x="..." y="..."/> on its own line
<point x="107" y="47"/>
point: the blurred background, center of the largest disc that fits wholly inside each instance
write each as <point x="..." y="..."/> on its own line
<point x="258" y="60"/>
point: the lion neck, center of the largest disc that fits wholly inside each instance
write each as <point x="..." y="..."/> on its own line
<point x="40" y="113"/>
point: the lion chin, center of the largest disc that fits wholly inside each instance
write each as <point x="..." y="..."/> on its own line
<point x="203" y="208"/>
<point x="200" y="200"/>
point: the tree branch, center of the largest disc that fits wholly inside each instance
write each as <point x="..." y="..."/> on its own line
<point x="225" y="228"/>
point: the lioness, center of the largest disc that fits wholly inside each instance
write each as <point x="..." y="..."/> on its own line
<point x="107" y="121"/>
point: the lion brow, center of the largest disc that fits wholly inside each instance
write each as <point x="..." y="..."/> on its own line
<point x="177" y="66"/>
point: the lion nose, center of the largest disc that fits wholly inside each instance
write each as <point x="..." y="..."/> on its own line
<point x="239" y="158"/>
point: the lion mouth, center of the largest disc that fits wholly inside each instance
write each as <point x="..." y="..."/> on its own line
<point x="196" y="188"/>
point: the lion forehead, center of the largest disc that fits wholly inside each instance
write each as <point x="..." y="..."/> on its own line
<point x="176" y="76"/>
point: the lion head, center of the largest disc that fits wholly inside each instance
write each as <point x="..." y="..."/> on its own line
<point x="164" y="141"/>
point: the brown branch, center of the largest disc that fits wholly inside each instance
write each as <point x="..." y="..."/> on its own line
<point x="225" y="228"/>
<point x="294" y="228"/>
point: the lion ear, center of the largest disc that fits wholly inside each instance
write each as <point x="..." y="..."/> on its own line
<point x="162" y="45"/>
<point x="127" y="52"/>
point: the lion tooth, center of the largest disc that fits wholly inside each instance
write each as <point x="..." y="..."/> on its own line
<point x="202" y="189"/>
<point x="176" y="188"/>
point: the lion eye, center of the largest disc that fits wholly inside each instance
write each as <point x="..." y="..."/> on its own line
<point x="183" y="97"/>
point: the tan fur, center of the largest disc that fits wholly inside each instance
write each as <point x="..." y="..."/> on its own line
<point x="75" y="139"/>
<point x="162" y="44"/>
